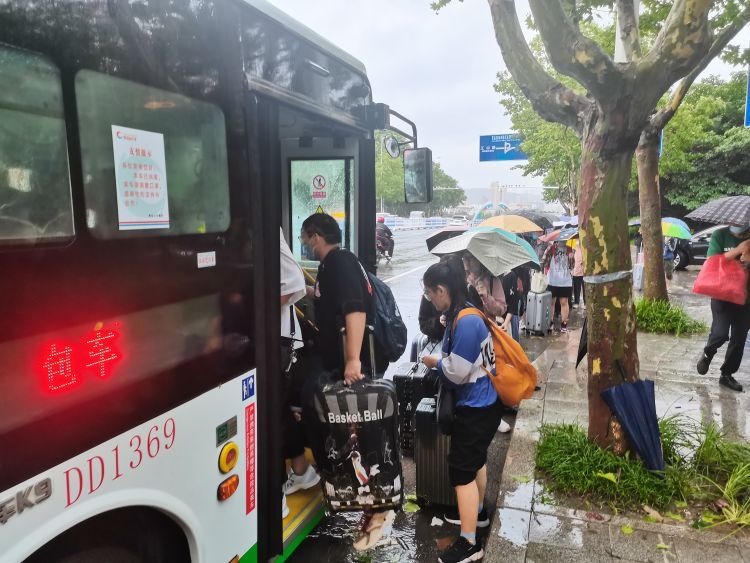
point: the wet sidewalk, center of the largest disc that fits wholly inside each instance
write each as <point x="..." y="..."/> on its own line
<point x="529" y="527"/>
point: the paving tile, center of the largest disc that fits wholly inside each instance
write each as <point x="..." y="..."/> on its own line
<point x="570" y="534"/>
<point x="641" y="546"/>
<point x="700" y="552"/>
<point x="543" y="553"/>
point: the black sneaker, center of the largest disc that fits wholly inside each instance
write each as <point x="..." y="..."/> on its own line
<point x="452" y="517"/>
<point x="462" y="551"/>
<point x="730" y="382"/>
<point x="703" y="364"/>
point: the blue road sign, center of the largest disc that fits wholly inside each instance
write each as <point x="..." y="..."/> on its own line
<point x="747" y="101"/>
<point x="500" y="147"/>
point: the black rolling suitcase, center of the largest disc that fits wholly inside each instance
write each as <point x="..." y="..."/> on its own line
<point x="431" y="457"/>
<point x="361" y="465"/>
<point x="410" y="389"/>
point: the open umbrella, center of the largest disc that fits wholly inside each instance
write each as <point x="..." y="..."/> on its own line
<point x="495" y="250"/>
<point x="676" y="221"/>
<point x="732" y="210"/>
<point x="445" y="233"/>
<point x="512" y="223"/>
<point x="536" y="218"/>
<point x="675" y="231"/>
<point x="634" y="405"/>
<point x="533" y="257"/>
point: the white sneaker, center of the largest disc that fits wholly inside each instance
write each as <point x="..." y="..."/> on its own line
<point x="284" y="506"/>
<point x="504" y="427"/>
<point x="305" y="481"/>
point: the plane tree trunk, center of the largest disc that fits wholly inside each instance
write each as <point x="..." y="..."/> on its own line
<point x="647" y="154"/>
<point x="620" y="102"/>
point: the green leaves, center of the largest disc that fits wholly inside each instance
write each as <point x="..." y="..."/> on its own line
<point x="608" y="476"/>
<point x="626" y="530"/>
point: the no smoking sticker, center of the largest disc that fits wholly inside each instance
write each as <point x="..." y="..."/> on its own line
<point x="319" y="187"/>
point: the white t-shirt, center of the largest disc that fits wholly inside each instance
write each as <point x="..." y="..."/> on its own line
<point x="559" y="274"/>
<point x="292" y="283"/>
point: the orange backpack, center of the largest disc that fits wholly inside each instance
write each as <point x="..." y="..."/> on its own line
<point x="515" y="377"/>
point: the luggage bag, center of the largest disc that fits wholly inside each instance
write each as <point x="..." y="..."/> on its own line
<point x="431" y="457"/>
<point x="538" y="312"/>
<point x="361" y="466"/>
<point x="410" y="389"/>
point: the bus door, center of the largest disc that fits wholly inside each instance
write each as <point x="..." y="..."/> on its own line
<point x="318" y="174"/>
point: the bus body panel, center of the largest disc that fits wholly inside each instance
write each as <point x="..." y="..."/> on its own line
<point x="175" y="471"/>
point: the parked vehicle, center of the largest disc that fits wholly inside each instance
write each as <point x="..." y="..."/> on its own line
<point x="693" y="251"/>
<point x="458" y="221"/>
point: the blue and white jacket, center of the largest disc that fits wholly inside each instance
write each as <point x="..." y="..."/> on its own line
<point x="465" y="353"/>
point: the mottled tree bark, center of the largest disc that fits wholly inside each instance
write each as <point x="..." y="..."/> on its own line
<point x="620" y="103"/>
<point x="647" y="154"/>
<point x="603" y="223"/>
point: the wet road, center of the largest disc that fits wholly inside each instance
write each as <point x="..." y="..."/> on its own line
<point x="404" y="274"/>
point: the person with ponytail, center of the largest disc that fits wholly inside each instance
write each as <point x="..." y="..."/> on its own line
<point x="467" y="350"/>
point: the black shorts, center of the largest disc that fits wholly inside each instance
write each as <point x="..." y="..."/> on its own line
<point x="473" y="430"/>
<point x="561" y="291"/>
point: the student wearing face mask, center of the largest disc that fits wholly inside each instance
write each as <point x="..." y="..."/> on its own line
<point x="730" y="322"/>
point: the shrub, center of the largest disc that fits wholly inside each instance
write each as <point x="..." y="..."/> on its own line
<point x="665" y="318"/>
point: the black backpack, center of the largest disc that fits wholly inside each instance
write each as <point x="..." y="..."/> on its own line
<point x="390" y="330"/>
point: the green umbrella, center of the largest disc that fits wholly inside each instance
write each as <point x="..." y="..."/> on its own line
<point x="493" y="247"/>
<point x="674" y="230"/>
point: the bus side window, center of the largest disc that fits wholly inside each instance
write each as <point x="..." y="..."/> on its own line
<point x="154" y="162"/>
<point x="35" y="198"/>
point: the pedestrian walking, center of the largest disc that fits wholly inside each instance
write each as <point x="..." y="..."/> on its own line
<point x="730" y="322"/>
<point x="579" y="291"/>
<point x="670" y="244"/>
<point x="559" y="260"/>
<point x="467" y="350"/>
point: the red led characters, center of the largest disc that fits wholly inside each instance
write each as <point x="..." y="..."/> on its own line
<point x="62" y="364"/>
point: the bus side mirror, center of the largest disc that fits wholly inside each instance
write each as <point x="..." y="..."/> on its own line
<point x="418" y="175"/>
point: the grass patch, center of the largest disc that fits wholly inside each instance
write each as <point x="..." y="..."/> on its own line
<point x="663" y="317"/>
<point x="703" y="469"/>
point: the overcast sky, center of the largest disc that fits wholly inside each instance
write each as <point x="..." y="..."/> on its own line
<point x="437" y="70"/>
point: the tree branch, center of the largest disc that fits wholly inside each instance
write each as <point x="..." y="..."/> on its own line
<point x="574" y="54"/>
<point x="627" y="21"/>
<point x="681" y="44"/>
<point x="551" y="99"/>
<point x="660" y="119"/>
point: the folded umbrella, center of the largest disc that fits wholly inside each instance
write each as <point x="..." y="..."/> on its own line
<point x="732" y="210"/>
<point x="494" y="249"/>
<point x="444" y="234"/>
<point x="512" y="223"/>
<point x="583" y="343"/>
<point x="634" y="405"/>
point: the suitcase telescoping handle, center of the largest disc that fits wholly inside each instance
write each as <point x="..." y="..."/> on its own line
<point x="369" y="330"/>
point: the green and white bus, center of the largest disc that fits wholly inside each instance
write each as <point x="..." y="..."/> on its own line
<point x="149" y="151"/>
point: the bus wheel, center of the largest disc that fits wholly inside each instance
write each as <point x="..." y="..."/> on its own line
<point x="125" y="535"/>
